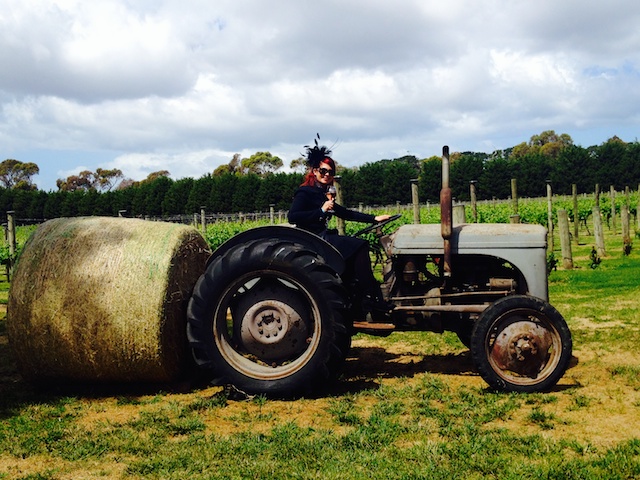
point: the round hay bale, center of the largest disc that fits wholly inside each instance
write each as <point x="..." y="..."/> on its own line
<point x="104" y="299"/>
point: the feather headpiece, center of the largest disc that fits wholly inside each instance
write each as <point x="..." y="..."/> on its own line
<point x="316" y="153"/>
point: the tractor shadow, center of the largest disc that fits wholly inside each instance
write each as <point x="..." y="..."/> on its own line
<point x="365" y="367"/>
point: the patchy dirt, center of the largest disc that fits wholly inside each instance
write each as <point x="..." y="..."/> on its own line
<point x="590" y="404"/>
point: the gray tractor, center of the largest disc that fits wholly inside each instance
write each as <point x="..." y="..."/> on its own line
<point x="271" y="314"/>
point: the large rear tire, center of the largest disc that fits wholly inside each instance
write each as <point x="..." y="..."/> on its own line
<point x="521" y="344"/>
<point x="267" y="317"/>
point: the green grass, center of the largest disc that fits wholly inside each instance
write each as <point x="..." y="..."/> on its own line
<point x="607" y="295"/>
<point x="393" y="439"/>
<point x="415" y="422"/>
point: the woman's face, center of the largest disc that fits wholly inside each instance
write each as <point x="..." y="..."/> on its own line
<point x="324" y="174"/>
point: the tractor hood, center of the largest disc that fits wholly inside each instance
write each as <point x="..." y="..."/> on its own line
<point x="524" y="246"/>
<point x="417" y="239"/>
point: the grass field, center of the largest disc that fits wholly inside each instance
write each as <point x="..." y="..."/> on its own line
<point x="408" y="406"/>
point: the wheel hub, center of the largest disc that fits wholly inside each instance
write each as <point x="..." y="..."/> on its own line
<point x="273" y="330"/>
<point x="522" y="347"/>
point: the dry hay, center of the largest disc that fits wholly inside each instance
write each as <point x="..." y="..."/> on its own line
<point x="104" y="299"/>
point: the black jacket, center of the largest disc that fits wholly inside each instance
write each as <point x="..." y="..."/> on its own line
<point x="306" y="211"/>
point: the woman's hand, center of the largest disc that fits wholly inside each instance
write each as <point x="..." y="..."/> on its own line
<point x="328" y="205"/>
<point x="382" y="218"/>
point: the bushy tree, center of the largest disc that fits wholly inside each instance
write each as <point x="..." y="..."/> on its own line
<point x="232" y="167"/>
<point x="396" y="186"/>
<point x="261" y="164"/>
<point x="298" y="165"/>
<point x="430" y="181"/>
<point x="177" y="196"/>
<point x="245" y="193"/>
<point x="465" y="167"/>
<point x="277" y="190"/>
<point x="369" y="183"/>
<point x="547" y="143"/>
<point x="383" y="182"/>
<point x="102" y="180"/>
<point x="16" y="174"/>
<point x="199" y="194"/>
<point x="106" y="179"/>
<point x="220" y="198"/>
<point x="574" y="165"/>
<point x="149" y="196"/>
<point x="611" y="156"/>
<point x="348" y="182"/>
<point x="531" y="172"/>
<point x="495" y="181"/>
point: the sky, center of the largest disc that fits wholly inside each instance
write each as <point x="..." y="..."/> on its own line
<point x="183" y="85"/>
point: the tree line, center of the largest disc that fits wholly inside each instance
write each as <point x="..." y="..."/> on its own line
<point x="255" y="184"/>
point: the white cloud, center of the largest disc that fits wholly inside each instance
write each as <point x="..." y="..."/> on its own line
<point x="164" y="85"/>
<point x="180" y="165"/>
<point x="90" y="51"/>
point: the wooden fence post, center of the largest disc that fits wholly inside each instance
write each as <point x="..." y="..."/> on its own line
<point x="597" y="231"/>
<point x="203" y="220"/>
<point x="459" y="214"/>
<point x="627" y="195"/>
<point x="514" y="195"/>
<point x="626" y="236"/>
<point x="415" y="201"/>
<point x="340" y="223"/>
<point x="474" y="200"/>
<point x="612" y="194"/>
<point x="550" y="215"/>
<point x="11" y="238"/>
<point x="576" y="216"/>
<point x="565" y="239"/>
<point x="5" y="229"/>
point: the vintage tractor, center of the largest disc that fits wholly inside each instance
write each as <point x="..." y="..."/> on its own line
<point x="272" y="315"/>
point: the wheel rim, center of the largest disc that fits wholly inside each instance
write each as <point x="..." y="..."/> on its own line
<point x="267" y="325"/>
<point x="523" y="346"/>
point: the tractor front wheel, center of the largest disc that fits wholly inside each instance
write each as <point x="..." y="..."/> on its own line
<point x="521" y="344"/>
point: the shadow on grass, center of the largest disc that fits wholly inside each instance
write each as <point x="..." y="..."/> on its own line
<point x="378" y="362"/>
<point x="365" y="366"/>
<point x="17" y="392"/>
<point x="363" y="370"/>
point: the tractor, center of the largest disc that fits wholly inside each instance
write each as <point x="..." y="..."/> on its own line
<point x="271" y="314"/>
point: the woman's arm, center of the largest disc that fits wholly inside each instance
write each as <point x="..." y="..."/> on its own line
<point x="352" y="215"/>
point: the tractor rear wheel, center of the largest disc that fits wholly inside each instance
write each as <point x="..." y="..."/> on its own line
<point x="521" y="344"/>
<point x="267" y="317"/>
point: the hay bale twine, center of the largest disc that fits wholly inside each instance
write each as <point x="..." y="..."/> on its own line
<point x="104" y="299"/>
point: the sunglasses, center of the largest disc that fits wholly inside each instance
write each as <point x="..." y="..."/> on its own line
<point x="325" y="171"/>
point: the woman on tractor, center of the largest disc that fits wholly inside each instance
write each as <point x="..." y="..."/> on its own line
<point x="313" y="206"/>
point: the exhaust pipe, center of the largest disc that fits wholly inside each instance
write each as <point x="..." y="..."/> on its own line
<point x="446" y="211"/>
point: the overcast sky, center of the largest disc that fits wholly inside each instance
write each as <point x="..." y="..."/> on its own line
<point x="182" y="85"/>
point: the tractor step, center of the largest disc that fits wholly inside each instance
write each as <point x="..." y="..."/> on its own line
<point x="382" y="327"/>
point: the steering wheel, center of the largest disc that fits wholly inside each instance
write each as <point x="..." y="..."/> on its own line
<point x="377" y="225"/>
